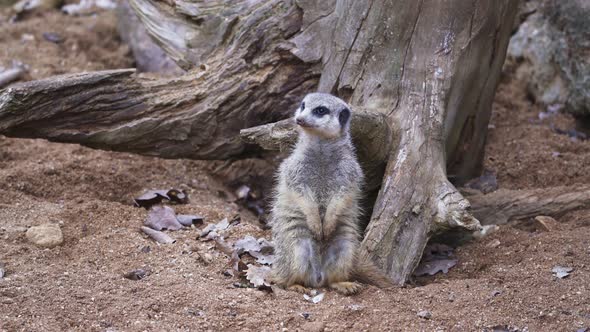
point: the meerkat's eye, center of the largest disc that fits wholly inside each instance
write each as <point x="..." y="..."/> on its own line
<point x="320" y="111"/>
<point x="302" y="106"/>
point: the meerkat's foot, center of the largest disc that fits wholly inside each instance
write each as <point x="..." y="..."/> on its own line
<point x="346" y="287"/>
<point x="298" y="288"/>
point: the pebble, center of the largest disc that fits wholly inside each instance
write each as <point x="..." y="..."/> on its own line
<point x="495" y="243"/>
<point x="136" y="274"/>
<point x="424" y="314"/>
<point x="53" y="37"/>
<point x="355" y="307"/>
<point x="45" y="235"/>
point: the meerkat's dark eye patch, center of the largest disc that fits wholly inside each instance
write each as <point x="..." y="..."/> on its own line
<point x="302" y="106"/>
<point x="320" y="111"/>
<point x="344" y="116"/>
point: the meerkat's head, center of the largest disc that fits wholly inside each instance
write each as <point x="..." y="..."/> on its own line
<point x="323" y="115"/>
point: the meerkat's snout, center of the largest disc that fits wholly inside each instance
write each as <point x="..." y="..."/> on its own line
<point x="301" y="122"/>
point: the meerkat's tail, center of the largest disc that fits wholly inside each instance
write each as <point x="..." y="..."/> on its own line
<point x="367" y="272"/>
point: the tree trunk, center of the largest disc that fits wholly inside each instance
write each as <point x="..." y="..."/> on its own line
<point x="432" y="68"/>
<point x="428" y="67"/>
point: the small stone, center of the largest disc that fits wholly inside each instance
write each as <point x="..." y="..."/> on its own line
<point x="424" y="314"/>
<point x="45" y="235"/>
<point x="207" y="257"/>
<point x="496" y="293"/>
<point x="495" y="243"/>
<point x="136" y="274"/>
<point x="485" y="231"/>
<point x="26" y="37"/>
<point x="355" y="307"/>
<point x="2" y="271"/>
<point x="53" y="37"/>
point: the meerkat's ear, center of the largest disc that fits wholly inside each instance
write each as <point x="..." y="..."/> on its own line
<point x="344" y="116"/>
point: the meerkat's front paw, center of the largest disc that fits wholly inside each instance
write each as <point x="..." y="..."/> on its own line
<point x="346" y="287"/>
<point x="298" y="288"/>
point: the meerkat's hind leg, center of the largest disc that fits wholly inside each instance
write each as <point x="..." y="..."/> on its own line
<point x="339" y="263"/>
<point x="346" y="287"/>
<point x="299" y="264"/>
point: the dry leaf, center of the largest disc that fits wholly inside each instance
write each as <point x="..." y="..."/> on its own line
<point x="561" y="271"/>
<point x="437" y="258"/>
<point x="222" y="225"/>
<point x="263" y="258"/>
<point x="222" y="246"/>
<point x="238" y="268"/>
<point x="260" y="249"/>
<point x="247" y="244"/>
<point x="258" y="275"/>
<point x="153" y="197"/>
<point x="486" y="183"/>
<point x="162" y="217"/>
<point x="178" y="196"/>
<point x="158" y="236"/>
<point x="188" y="220"/>
<point x="314" y="299"/>
<point x="434" y="267"/>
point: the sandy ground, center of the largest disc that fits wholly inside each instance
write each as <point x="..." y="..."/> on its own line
<point x="80" y="286"/>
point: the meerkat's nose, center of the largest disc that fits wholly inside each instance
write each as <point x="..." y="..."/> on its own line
<point x="301" y="122"/>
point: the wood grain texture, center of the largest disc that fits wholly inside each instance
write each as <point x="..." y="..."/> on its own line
<point x="505" y="205"/>
<point x="244" y="79"/>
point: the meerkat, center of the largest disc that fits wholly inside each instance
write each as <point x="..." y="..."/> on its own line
<point x="315" y="215"/>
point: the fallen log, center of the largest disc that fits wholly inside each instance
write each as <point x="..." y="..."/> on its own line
<point x="242" y="76"/>
<point x="505" y="205"/>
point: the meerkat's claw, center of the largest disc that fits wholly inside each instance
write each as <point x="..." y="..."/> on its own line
<point x="298" y="288"/>
<point x="346" y="287"/>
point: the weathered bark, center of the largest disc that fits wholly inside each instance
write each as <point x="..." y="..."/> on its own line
<point x="247" y="79"/>
<point x="505" y="205"/>
<point x="149" y="57"/>
<point x="429" y="67"/>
